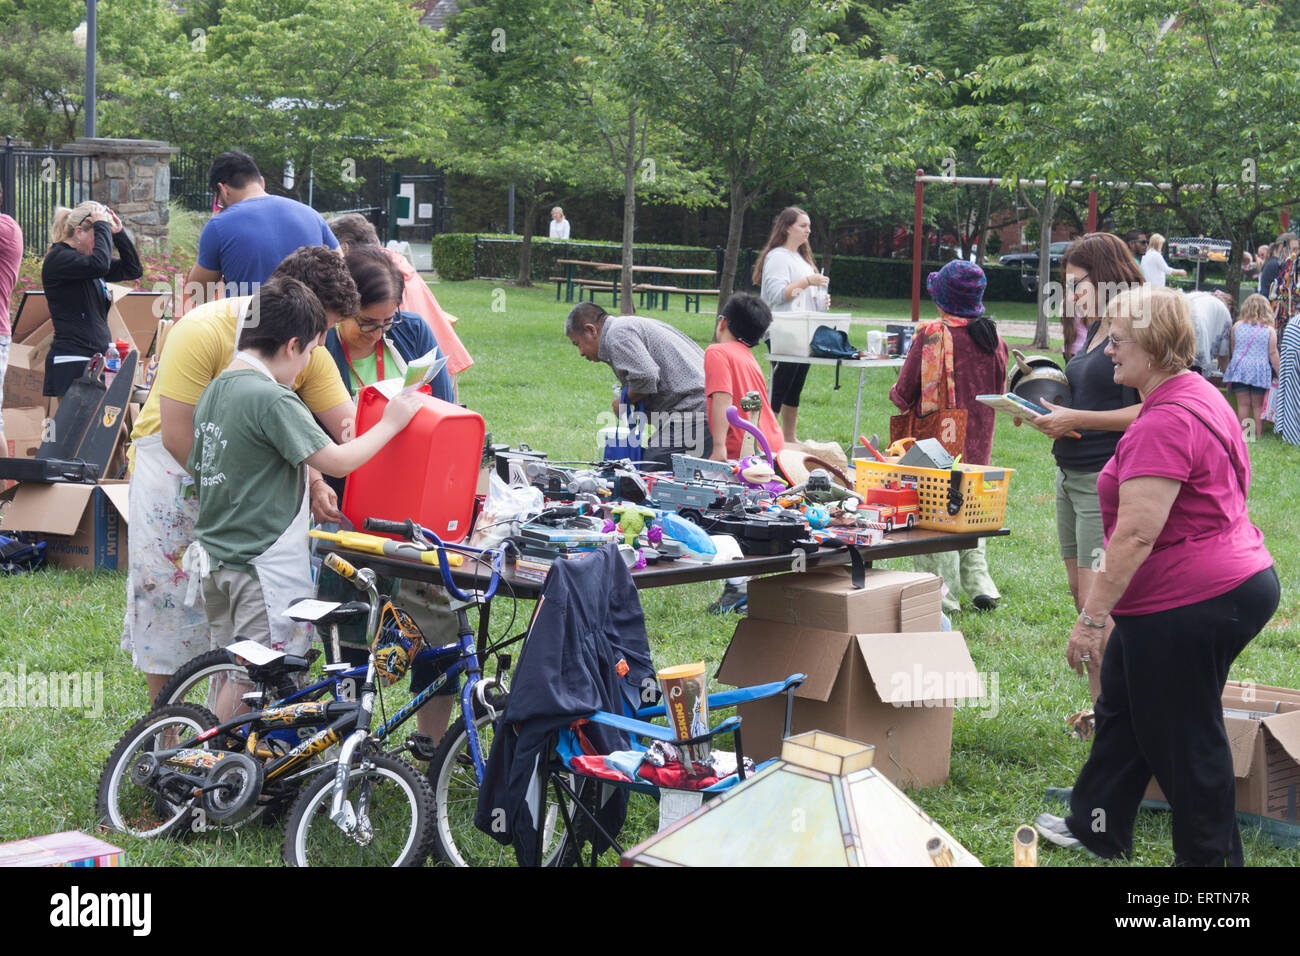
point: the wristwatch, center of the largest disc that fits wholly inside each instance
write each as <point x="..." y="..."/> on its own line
<point x="1089" y="622"/>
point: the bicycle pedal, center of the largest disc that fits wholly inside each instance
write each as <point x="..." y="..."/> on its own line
<point x="421" y="746"/>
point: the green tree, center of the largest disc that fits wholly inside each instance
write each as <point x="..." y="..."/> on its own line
<point x="763" y="90"/>
<point x="304" y="84"/>
<point x="550" y="70"/>
<point x="1197" y="100"/>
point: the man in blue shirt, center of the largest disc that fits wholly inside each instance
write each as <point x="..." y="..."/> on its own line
<point x="251" y="233"/>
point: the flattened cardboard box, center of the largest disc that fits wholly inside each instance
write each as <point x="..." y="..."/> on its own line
<point x="826" y="599"/>
<point x="1263" y="725"/>
<point x="84" y="526"/>
<point x="895" y="691"/>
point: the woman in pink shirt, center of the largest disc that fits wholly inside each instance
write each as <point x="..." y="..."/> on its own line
<point x="1188" y="582"/>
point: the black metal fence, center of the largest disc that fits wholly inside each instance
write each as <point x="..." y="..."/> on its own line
<point x="189" y="183"/>
<point x="35" y="182"/>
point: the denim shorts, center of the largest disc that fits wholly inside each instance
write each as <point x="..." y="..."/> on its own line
<point x="4" y="367"/>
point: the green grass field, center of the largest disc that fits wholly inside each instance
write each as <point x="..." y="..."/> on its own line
<point x="532" y="386"/>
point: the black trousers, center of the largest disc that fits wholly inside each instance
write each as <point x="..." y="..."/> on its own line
<point x="1160" y="714"/>
<point x="787" y="384"/>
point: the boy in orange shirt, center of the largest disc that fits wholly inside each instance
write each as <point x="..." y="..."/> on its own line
<point x="730" y="371"/>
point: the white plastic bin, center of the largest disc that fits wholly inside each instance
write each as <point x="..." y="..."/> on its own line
<point x="791" y="332"/>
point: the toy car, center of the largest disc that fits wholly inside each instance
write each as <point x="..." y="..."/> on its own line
<point x="892" y="507"/>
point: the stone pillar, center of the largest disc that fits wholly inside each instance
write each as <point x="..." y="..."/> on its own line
<point x="133" y="176"/>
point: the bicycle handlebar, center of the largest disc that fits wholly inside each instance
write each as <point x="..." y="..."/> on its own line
<point x="418" y="535"/>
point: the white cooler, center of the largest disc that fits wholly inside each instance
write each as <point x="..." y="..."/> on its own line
<point x="791" y="332"/>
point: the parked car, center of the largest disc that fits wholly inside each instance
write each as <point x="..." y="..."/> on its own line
<point x="1029" y="260"/>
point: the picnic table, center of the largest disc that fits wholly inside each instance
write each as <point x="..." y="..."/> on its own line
<point x="689" y="283"/>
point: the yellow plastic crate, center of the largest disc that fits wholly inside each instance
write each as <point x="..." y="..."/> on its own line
<point x="983" y="488"/>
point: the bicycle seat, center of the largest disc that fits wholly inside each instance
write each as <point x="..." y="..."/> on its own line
<point x="272" y="672"/>
<point x="326" y="613"/>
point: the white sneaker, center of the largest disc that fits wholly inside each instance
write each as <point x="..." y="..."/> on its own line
<point x="1054" y="829"/>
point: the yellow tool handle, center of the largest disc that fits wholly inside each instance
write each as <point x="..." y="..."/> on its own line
<point x="373" y="544"/>
<point x="340" y="567"/>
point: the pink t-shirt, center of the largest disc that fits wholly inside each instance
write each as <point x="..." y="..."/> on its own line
<point x="11" y="258"/>
<point x="730" y="367"/>
<point x="1208" y="545"/>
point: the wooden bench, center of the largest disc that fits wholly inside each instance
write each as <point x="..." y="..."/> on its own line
<point x="590" y="285"/>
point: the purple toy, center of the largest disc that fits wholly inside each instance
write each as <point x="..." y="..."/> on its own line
<point x="774" y="486"/>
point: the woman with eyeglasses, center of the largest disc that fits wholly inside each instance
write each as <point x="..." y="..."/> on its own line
<point x="378" y="343"/>
<point x="1097" y="267"/>
<point x="1186" y="583"/>
<point x="375" y="345"/>
<point x="79" y="262"/>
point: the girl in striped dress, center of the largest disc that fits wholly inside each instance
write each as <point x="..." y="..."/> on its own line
<point x="1255" y="360"/>
<point x="1286" y="423"/>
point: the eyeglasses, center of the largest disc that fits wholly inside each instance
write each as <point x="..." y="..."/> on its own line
<point x="1112" y="341"/>
<point x="367" y="323"/>
<point x="1141" y="242"/>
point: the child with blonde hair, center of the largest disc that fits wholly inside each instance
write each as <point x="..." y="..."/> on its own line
<point x="1255" y="359"/>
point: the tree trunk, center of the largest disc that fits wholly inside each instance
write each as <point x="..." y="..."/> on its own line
<point x="526" y="247"/>
<point x="629" y="211"/>
<point x="727" y="281"/>
<point x="1042" y="332"/>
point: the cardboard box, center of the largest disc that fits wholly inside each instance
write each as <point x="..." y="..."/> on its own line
<point x="70" y="848"/>
<point x="900" y="601"/>
<point x="1263" y="725"/>
<point x="24" y="430"/>
<point x="896" y="691"/>
<point x="25" y="377"/>
<point x="85" y="526"/>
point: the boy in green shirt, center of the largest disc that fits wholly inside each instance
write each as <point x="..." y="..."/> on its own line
<point x="253" y="439"/>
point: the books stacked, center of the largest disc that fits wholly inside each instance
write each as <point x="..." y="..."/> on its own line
<point x="540" y="546"/>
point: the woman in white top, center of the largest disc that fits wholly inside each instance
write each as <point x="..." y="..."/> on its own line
<point x="1154" y="267"/>
<point x="559" y="225"/>
<point x="789" y="282"/>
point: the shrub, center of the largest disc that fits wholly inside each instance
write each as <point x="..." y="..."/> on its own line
<point x="453" y="256"/>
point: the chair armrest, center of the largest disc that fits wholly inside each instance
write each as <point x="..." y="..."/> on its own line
<point x="741" y="695"/>
<point x="654" y="731"/>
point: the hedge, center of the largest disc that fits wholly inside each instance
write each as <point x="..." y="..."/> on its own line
<point x="459" y="256"/>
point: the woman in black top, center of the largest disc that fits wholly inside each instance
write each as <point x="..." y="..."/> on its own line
<point x="78" y="263"/>
<point x="1097" y="268"/>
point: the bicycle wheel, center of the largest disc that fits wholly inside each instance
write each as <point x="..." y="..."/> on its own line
<point x="141" y="810"/>
<point x="455" y="792"/>
<point x="400" y="814"/>
<point x="200" y="679"/>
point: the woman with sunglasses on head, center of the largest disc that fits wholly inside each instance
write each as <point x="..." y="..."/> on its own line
<point x="78" y="264"/>
<point x="1097" y="268"/>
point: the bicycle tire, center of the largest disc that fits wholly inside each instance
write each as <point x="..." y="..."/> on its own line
<point x="194" y="677"/>
<point x="140" y="810"/>
<point x="455" y="793"/>
<point x="401" y="838"/>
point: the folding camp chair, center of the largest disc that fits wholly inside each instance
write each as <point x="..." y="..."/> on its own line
<point x="582" y="785"/>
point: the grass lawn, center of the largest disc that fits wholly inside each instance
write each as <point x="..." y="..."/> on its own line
<point x="532" y="386"/>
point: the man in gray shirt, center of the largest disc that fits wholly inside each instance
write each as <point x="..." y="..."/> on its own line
<point x="657" y="364"/>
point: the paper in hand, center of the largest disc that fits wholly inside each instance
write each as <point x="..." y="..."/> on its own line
<point x="422" y="371"/>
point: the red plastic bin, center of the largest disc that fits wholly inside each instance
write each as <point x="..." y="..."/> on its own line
<point x="428" y="473"/>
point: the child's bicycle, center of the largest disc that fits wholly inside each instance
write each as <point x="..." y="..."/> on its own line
<point x="180" y="769"/>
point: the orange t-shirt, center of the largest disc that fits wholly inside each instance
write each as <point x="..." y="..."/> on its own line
<point x="730" y="367"/>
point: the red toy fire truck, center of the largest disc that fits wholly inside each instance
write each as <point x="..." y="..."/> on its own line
<point x="894" y="506"/>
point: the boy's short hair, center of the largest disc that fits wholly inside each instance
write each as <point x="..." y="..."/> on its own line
<point x="354" y="229"/>
<point x="326" y="274"/>
<point x="747" y="317"/>
<point x="233" y="168"/>
<point x="285" y="309"/>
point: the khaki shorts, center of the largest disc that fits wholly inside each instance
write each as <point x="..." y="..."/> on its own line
<point x="237" y="609"/>
<point x="1078" y="516"/>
